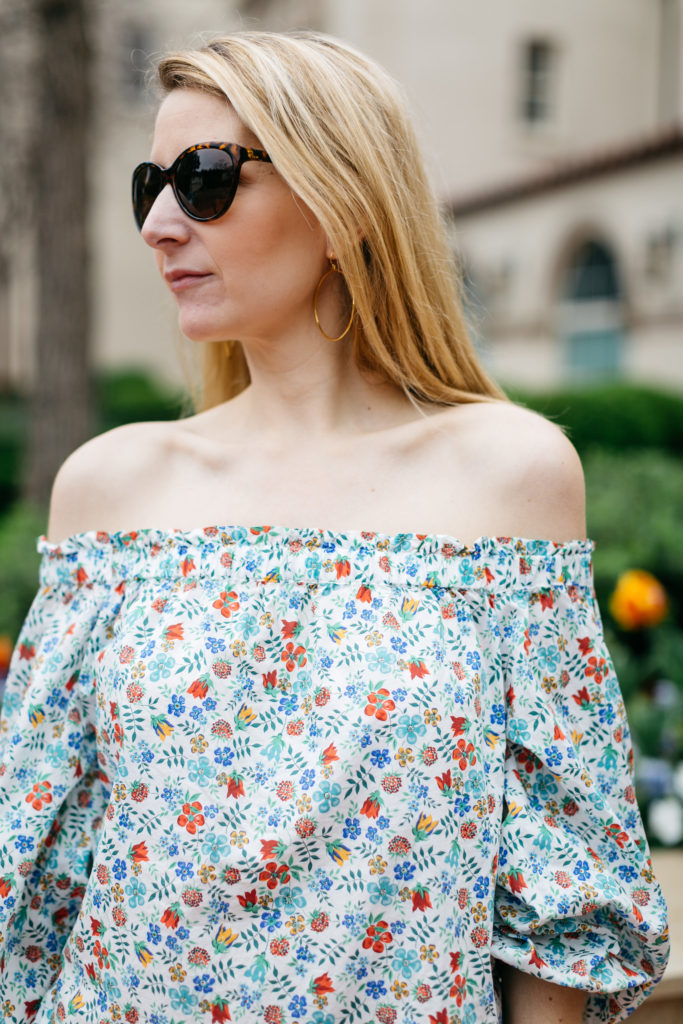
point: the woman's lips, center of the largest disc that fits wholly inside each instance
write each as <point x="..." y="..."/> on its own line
<point x="179" y="280"/>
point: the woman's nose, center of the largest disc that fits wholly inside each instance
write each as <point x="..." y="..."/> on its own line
<point x="165" y="221"/>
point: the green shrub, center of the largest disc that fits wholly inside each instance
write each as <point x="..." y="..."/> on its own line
<point x="617" y="417"/>
<point x="19" y="561"/>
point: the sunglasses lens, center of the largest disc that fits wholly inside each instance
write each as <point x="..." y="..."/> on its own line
<point x="147" y="184"/>
<point x="206" y="182"/>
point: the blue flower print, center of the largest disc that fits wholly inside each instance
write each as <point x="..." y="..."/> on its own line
<point x="410" y="727"/>
<point x="382" y="892"/>
<point x="201" y="772"/>
<point x="215" y="847"/>
<point x="182" y="998"/>
<point x="549" y="658"/>
<point x="160" y="667"/>
<point x="405" y="962"/>
<point x="379" y="661"/>
<point x="136" y="890"/>
<point x="327" y="796"/>
<point x="177" y="705"/>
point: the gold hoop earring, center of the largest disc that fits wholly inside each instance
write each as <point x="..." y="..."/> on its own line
<point x="334" y="269"/>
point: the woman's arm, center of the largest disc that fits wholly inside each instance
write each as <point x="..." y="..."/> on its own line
<point x="528" y="1000"/>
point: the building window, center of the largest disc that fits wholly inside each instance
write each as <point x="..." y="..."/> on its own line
<point x="592" y="319"/>
<point x="538" y="67"/>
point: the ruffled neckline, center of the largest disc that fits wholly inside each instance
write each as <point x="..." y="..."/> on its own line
<point x="312" y="555"/>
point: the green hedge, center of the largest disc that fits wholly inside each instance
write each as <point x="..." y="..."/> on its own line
<point x="614" y="417"/>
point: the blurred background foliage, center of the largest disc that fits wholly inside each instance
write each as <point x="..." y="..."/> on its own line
<point x="630" y="440"/>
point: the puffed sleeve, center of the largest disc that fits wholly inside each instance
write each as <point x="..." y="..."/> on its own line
<point x="53" y="793"/>
<point x="576" y="900"/>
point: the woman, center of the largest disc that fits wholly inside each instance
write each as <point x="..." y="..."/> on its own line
<point x="332" y="769"/>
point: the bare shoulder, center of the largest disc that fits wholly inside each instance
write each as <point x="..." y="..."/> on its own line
<point x="531" y="470"/>
<point x="97" y="482"/>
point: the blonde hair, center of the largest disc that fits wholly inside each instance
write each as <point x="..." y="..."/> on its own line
<point x="337" y="130"/>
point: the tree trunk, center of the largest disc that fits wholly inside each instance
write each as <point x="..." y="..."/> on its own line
<point x="60" y="411"/>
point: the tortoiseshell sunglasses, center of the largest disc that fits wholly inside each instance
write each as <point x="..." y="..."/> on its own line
<point x="204" y="179"/>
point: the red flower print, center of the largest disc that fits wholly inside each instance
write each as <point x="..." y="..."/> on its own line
<point x="290" y="630"/>
<point x="271" y="848"/>
<point x="270" y="679"/>
<point x="377" y="936"/>
<point x="40" y="796"/>
<point x="596" y="667"/>
<point x="516" y="880"/>
<point x="235" y="786"/>
<point x="458" y="725"/>
<point x="546" y="599"/>
<point x="102" y="954"/>
<point x="615" y="832"/>
<point x="330" y="754"/>
<point x="371" y="807"/>
<point x="364" y="594"/>
<point x="274" y="873"/>
<point x="200" y="687"/>
<point x="585" y="645"/>
<point x="421" y="898"/>
<point x="444" y="782"/>
<point x="293" y="656"/>
<point x="480" y="937"/>
<point x="439" y="1018"/>
<point x="227" y="603"/>
<point x="219" y="1011"/>
<point x="582" y="698"/>
<point x="418" y="669"/>
<point x="458" y="989"/>
<point x="343" y="567"/>
<point x="279" y="947"/>
<point x="175" y="632"/>
<point x="191" y="817"/>
<point x="455" y="961"/>
<point x="138" y="852"/>
<point x="528" y="760"/>
<point x="249" y="900"/>
<point x="186" y="566"/>
<point x="322" y="985"/>
<point x="464" y="754"/>
<point x="379" y="704"/>
<point x="26" y="652"/>
<point x="535" y="960"/>
<point x="170" y="917"/>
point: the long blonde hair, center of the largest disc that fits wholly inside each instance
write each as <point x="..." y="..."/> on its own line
<point x="337" y="130"/>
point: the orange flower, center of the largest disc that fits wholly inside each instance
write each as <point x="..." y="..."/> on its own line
<point x="191" y="817"/>
<point x="5" y="653"/>
<point x="379" y="704"/>
<point x="639" y="600"/>
<point x="322" y="985"/>
<point x="293" y="656"/>
<point x="227" y="603"/>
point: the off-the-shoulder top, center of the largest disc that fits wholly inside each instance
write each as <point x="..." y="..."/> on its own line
<point x="294" y="775"/>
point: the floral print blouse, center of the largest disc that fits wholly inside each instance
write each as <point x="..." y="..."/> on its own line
<point x="294" y="775"/>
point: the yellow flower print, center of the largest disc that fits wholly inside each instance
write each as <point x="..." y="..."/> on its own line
<point x="238" y="648"/>
<point x="207" y="873"/>
<point x="479" y="912"/>
<point x="266" y="620"/>
<point x="429" y="953"/>
<point x="117" y="892"/>
<point x="295" y="923"/>
<point x="432" y="716"/>
<point x="198" y="744"/>
<point x="177" y="972"/>
<point x="400" y="989"/>
<point x="377" y="865"/>
<point x="374" y="638"/>
<point x="238" y="839"/>
<point x="304" y="804"/>
<point x="404" y="756"/>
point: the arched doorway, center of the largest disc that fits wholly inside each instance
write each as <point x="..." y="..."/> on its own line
<point x="591" y="322"/>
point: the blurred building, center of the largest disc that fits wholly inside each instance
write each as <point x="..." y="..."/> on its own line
<point x="554" y="134"/>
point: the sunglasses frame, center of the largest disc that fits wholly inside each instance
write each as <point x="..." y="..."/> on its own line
<point x="239" y="154"/>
